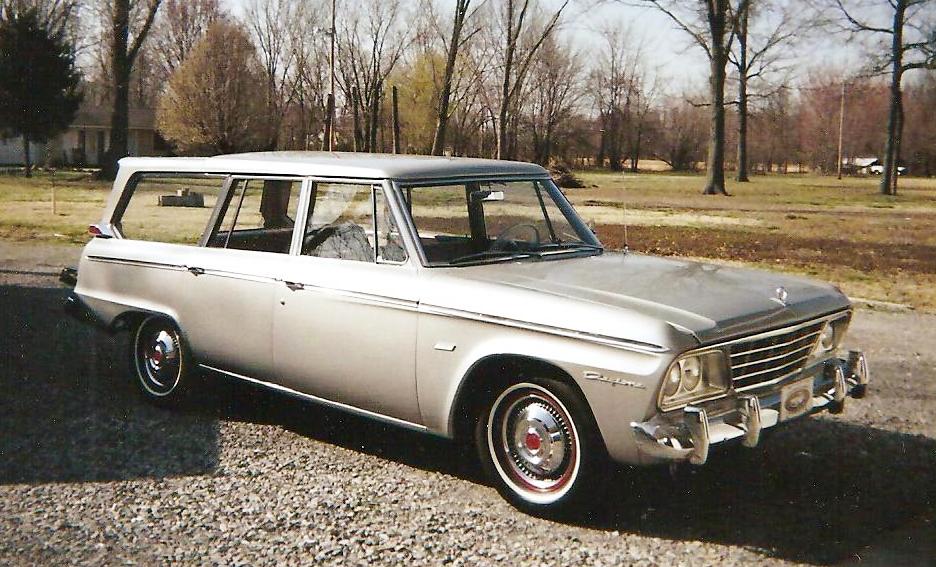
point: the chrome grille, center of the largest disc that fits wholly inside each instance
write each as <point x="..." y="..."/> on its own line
<point x="769" y="358"/>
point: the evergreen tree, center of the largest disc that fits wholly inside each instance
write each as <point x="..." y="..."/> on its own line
<point x="39" y="82"/>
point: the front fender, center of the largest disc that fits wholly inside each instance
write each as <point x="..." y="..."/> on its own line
<point x="620" y="385"/>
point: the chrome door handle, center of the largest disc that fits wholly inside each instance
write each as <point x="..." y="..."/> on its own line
<point x="294" y="286"/>
<point x="195" y="270"/>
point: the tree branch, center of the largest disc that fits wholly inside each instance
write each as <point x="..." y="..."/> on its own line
<point x="141" y="36"/>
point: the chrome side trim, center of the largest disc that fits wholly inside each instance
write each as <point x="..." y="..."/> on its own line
<point x="361" y="297"/>
<point x="310" y="397"/>
<point x="138" y="263"/>
<point x="548" y="329"/>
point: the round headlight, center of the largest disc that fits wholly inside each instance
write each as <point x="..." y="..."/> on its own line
<point x="671" y="384"/>
<point x="827" y="338"/>
<point x="691" y="373"/>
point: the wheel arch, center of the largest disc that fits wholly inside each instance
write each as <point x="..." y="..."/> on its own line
<point x="481" y="380"/>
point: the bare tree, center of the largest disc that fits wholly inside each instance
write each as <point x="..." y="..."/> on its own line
<point x="516" y="57"/>
<point x="370" y="46"/>
<point x="613" y="85"/>
<point x="178" y="28"/>
<point x="129" y="25"/>
<point x="58" y="17"/>
<point x="273" y="25"/>
<point x="681" y="136"/>
<point x="557" y="75"/>
<point x="308" y="111"/>
<point x="455" y="43"/>
<point x="709" y="24"/>
<point x="760" y="50"/>
<point x="907" y="42"/>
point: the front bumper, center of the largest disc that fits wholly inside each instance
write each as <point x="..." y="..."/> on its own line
<point x="687" y="435"/>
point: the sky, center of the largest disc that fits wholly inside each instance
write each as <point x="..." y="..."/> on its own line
<point x="668" y="50"/>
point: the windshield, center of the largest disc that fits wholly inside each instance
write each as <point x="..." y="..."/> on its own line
<point x="490" y="221"/>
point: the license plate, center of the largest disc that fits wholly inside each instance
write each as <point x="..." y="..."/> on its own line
<point x="796" y="399"/>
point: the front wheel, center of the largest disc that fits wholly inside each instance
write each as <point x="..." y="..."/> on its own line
<point x="538" y="442"/>
<point x="160" y="360"/>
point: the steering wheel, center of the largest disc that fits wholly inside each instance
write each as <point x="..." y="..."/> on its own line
<point x="503" y="241"/>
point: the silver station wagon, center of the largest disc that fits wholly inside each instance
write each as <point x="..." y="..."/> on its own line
<point x="461" y="297"/>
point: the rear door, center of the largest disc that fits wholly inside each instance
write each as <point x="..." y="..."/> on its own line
<point x="231" y="276"/>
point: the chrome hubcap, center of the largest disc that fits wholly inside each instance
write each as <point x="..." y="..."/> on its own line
<point x="533" y="442"/>
<point x="159" y="359"/>
<point x="537" y="441"/>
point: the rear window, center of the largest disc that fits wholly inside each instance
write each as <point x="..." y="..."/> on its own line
<point x="173" y="209"/>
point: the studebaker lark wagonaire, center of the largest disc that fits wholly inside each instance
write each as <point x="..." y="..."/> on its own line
<point x="460" y="297"/>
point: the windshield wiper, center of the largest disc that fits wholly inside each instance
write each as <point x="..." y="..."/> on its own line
<point x="500" y="255"/>
<point x="559" y="247"/>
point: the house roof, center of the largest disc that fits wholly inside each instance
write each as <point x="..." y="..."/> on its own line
<point x="339" y="164"/>
<point x="99" y="116"/>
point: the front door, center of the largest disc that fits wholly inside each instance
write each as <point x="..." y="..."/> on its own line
<point x="344" y="324"/>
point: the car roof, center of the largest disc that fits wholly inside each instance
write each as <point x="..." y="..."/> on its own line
<point x="338" y="164"/>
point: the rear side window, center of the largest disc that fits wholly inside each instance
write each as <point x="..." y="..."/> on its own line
<point x="259" y="215"/>
<point x="173" y="209"/>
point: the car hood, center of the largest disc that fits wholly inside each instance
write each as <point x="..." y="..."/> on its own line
<point x="713" y="302"/>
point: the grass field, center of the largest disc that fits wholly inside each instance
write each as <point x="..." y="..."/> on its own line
<point x="873" y="246"/>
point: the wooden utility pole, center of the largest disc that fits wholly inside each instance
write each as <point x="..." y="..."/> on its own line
<point x="328" y="137"/>
<point x="396" y="120"/>
<point x="841" y="129"/>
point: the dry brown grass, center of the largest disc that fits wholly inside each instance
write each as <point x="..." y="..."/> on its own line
<point x="873" y="246"/>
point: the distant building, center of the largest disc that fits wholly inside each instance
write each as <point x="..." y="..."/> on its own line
<point x="84" y="142"/>
<point x="858" y="165"/>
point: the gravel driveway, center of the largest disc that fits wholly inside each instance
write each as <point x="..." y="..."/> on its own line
<point x="91" y="475"/>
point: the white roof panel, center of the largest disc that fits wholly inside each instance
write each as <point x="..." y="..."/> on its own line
<point x="338" y="164"/>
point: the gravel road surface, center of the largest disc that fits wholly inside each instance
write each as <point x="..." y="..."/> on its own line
<point x="89" y="474"/>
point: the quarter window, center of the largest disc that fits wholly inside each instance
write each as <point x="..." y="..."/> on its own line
<point x="168" y="208"/>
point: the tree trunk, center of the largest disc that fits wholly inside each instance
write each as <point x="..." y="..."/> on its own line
<point x="894" y="118"/>
<point x="635" y="151"/>
<point x="120" y="86"/>
<point x="438" y="141"/>
<point x="503" y="112"/>
<point x="742" y="95"/>
<point x="27" y="156"/>
<point x="715" y="176"/>
<point x="374" y="118"/>
<point x="122" y="57"/>
<point x="355" y="118"/>
<point x="396" y="121"/>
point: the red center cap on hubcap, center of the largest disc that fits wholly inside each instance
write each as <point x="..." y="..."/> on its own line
<point x="533" y="441"/>
<point x="157" y="355"/>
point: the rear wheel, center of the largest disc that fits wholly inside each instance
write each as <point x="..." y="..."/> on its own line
<point x="161" y="360"/>
<point x="538" y="442"/>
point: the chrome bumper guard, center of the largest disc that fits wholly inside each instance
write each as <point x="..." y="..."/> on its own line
<point x="688" y="437"/>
